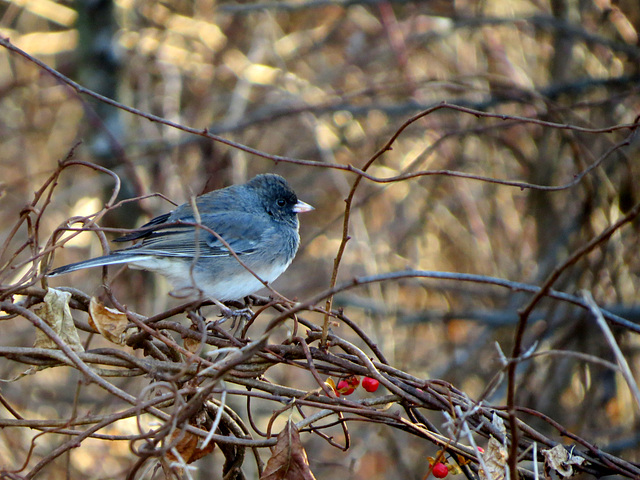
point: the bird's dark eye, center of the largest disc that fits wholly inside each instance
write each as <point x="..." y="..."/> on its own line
<point x="281" y="202"/>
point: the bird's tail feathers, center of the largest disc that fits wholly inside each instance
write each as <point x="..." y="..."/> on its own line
<point x="113" y="259"/>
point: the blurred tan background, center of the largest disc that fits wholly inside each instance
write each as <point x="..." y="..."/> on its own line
<point x="332" y="82"/>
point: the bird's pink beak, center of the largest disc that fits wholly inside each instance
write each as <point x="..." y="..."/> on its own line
<point x="302" y="207"/>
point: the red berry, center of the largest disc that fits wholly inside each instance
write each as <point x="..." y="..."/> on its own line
<point x="353" y="381"/>
<point x="440" y="470"/>
<point x="481" y="450"/>
<point x="370" y="384"/>
<point x="344" y="388"/>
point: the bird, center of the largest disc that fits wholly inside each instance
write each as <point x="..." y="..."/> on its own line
<point x="257" y="220"/>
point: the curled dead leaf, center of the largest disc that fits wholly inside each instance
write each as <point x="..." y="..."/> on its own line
<point x="56" y="313"/>
<point x="187" y="447"/>
<point x="111" y="323"/>
<point x="495" y="458"/>
<point x="192" y="345"/>
<point x="561" y="460"/>
<point x="498" y="423"/>
<point x="289" y="460"/>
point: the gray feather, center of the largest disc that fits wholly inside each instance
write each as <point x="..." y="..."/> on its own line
<point x="113" y="259"/>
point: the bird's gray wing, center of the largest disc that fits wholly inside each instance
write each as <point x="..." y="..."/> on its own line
<point x="241" y="230"/>
<point x="145" y="230"/>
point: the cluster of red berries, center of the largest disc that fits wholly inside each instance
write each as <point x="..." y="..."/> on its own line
<point x="440" y="467"/>
<point x="347" y="385"/>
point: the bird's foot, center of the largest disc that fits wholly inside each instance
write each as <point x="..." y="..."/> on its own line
<point x="243" y="314"/>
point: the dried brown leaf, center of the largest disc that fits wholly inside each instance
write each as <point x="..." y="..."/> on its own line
<point x="289" y="460"/>
<point x="109" y="322"/>
<point x="188" y="448"/>
<point x="56" y="313"/>
<point x="191" y="344"/>
<point x="498" y="423"/>
<point x="561" y="460"/>
<point x="495" y="458"/>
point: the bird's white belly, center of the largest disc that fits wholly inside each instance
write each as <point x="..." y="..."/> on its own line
<point x="190" y="282"/>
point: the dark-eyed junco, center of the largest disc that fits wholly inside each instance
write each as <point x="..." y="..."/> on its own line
<point x="258" y="220"/>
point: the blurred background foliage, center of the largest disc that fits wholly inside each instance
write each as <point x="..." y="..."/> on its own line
<point x="331" y="81"/>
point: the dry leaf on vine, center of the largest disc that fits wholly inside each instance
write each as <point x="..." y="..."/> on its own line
<point x="56" y="313"/>
<point x="111" y="323"/>
<point x="289" y="460"/>
<point x="561" y="460"/>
